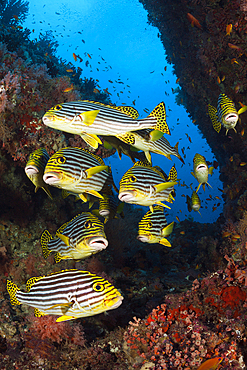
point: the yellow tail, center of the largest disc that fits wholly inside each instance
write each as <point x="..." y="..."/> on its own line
<point x="12" y="288"/>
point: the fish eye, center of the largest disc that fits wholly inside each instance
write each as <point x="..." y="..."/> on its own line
<point x="87" y="224"/>
<point x="58" y="107"/>
<point x="132" y="178"/>
<point x="61" y="160"/>
<point x="98" y="287"/>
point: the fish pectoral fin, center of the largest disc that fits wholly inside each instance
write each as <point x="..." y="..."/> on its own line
<point x="210" y="170"/>
<point x="168" y="229"/>
<point x="164" y="186"/>
<point x="243" y="109"/>
<point x="165" y="242"/>
<point x="155" y="135"/>
<point x="91" y="139"/>
<point x="89" y="117"/>
<point x="95" y="193"/>
<point x="148" y="156"/>
<point x="64" y="238"/>
<point x="93" y="170"/>
<point x="63" y="305"/>
<point x="65" y="318"/>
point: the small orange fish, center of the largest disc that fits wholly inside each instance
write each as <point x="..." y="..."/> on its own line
<point x="243" y="164"/>
<point x="194" y="21"/>
<point x="211" y="364"/>
<point x="146" y="110"/>
<point x="165" y="68"/>
<point x="68" y="89"/>
<point x="226" y="234"/>
<point x="232" y="46"/>
<point x="194" y="120"/>
<point x="217" y="197"/>
<point x="110" y="81"/>
<point x="236" y="236"/>
<point x="234" y="60"/>
<point x="89" y="56"/>
<point x="177" y="80"/>
<point x="75" y="57"/>
<point x="177" y="219"/>
<point x="218" y="80"/>
<point x="242" y="132"/>
<point x="182" y="232"/>
<point x="69" y="70"/>
<point x="96" y="91"/>
<point x="16" y="17"/>
<point x="228" y="29"/>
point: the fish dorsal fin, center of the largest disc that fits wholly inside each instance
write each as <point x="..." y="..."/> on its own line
<point x="212" y="111"/>
<point x="142" y="164"/>
<point x="173" y="176"/>
<point x="61" y="229"/>
<point x="32" y="281"/>
<point x="127" y="138"/>
<point x="99" y="159"/>
<point x="129" y="111"/>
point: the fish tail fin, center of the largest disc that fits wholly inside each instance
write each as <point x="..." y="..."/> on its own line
<point x="12" y="288"/>
<point x="159" y="112"/>
<point x="212" y="111"/>
<point x="45" y="238"/>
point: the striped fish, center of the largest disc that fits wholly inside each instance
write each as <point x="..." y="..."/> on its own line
<point x="145" y="185"/>
<point x="225" y="114"/>
<point x="69" y="293"/>
<point x="77" y="239"/>
<point x="89" y="119"/>
<point x="153" y="227"/>
<point x="35" y="169"/>
<point x="143" y="140"/>
<point x="193" y="202"/>
<point x="201" y="170"/>
<point x="109" y="207"/>
<point x="78" y="171"/>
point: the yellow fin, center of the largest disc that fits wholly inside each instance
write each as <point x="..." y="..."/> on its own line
<point x="148" y="156"/>
<point x="32" y="281"/>
<point x="243" y="109"/>
<point x="173" y="176"/>
<point x="91" y="139"/>
<point x="155" y="135"/>
<point x="163" y="205"/>
<point x="38" y="313"/>
<point x="164" y="186"/>
<point x="210" y="170"/>
<point x="83" y="197"/>
<point x="47" y="191"/>
<point x="88" y="118"/>
<point x="95" y="193"/>
<point x="93" y="170"/>
<point x="159" y="112"/>
<point x="66" y="305"/>
<point x="64" y="238"/>
<point x="58" y="257"/>
<point x="12" y="288"/>
<point x="165" y="242"/>
<point x="168" y="229"/>
<point x="65" y="318"/>
<point x="212" y="111"/>
<point x="45" y="238"/>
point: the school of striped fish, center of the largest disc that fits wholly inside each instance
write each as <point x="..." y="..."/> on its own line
<point x="72" y="294"/>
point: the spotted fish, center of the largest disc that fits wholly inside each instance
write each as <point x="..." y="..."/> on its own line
<point x="69" y="293"/>
<point x="35" y="169"/>
<point x="145" y="185"/>
<point x="78" y="171"/>
<point x="225" y="114"/>
<point x="153" y="227"/>
<point x="77" y="239"/>
<point x="193" y="202"/>
<point x="89" y="119"/>
<point x="201" y="170"/>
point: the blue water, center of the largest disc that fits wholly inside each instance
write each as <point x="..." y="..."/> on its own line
<point x="126" y="50"/>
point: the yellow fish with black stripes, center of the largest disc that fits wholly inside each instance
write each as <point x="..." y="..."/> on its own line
<point x="225" y="114"/>
<point x="145" y="185"/>
<point x="78" y="171"/>
<point x="35" y="169"/>
<point x="79" y="238"/>
<point x="201" y="170"/>
<point x="70" y="294"/>
<point x="153" y="227"/>
<point x="193" y="202"/>
<point x="90" y="119"/>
